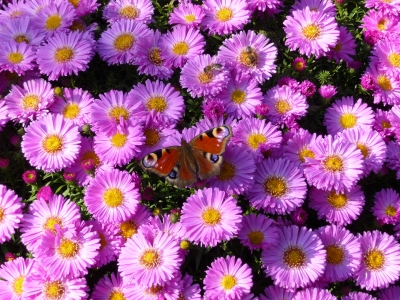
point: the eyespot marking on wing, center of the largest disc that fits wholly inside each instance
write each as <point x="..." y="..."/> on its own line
<point x="173" y="174"/>
<point x="150" y="160"/>
<point x="220" y="132"/>
<point x="214" y="158"/>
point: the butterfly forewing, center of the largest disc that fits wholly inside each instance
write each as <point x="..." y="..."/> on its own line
<point x="161" y="161"/>
<point x="213" y="141"/>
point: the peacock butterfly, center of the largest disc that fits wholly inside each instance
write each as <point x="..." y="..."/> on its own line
<point x="180" y="164"/>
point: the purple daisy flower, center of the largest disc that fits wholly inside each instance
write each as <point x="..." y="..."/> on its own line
<point x="241" y="96"/>
<point x="286" y="105"/>
<point x="160" y="98"/>
<point x="258" y="232"/>
<point x="118" y="44"/>
<point x="212" y="108"/>
<point x="74" y="105"/>
<point x="380" y="264"/>
<point x="137" y="10"/>
<point x="44" y="216"/>
<point x="29" y="177"/>
<point x="343" y="254"/>
<point x="372" y="147"/>
<point x="204" y="76"/>
<point x="227" y="278"/>
<point x="12" y="10"/>
<point x="148" y="57"/>
<point x="181" y="45"/>
<point x="112" y="196"/>
<point x="299" y="64"/>
<point x="274" y="292"/>
<point x="307" y="88"/>
<point x="109" y="286"/>
<point x="149" y="262"/>
<point x="115" y="107"/>
<point x="314" y="293"/>
<point x="225" y="16"/>
<point x="339" y="208"/>
<point x="17" y="57"/>
<point x="379" y="24"/>
<point x="10" y="211"/>
<point x="30" y="101"/>
<point x="250" y="53"/>
<point x="210" y="216"/>
<point x="65" y="54"/>
<point x="345" y="47"/>
<point x="387" y="206"/>
<point x="298" y="259"/>
<point x="187" y="14"/>
<point x="386" y="86"/>
<point x="383" y="124"/>
<point x="386" y="53"/>
<point x="345" y="114"/>
<point x="13" y="274"/>
<point x="316" y="6"/>
<point x="51" y="143"/>
<point x="312" y="33"/>
<point x="390" y="293"/>
<point x="391" y="7"/>
<point x="327" y="91"/>
<point x="279" y="187"/>
<point x="85" y="7"/>
<point x="359" y="296"/>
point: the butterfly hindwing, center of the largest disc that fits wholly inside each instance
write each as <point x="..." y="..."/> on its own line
<point x="212" y="141"/>
<point x="161" y="161"/>
<point x="208" y="164"/>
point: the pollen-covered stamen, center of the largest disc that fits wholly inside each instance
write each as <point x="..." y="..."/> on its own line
<point x="118" y="111"/>
<point x="205" y="77"/>
<point x="51" y="222"/>
<point x="228" y="171"/>
<point x="238" y="96"/>
<point x="224" y="14"/>
<point x="276" y="186"/>
<point x="255" y="139"/>
<point x="152" y="137"/>
<point x="337" y="200"/>
<point x="157" y="103"/>
<point x="155" y="56"/>
<point x="256" y="237"/>
<point x="333" y="163"/>
<point x="180" y="48"/>
<point x="22" y="39"/>
<point x="374" y="260"/>
<point x="129" y="12"/>
<point x="211" y="216"/>
<point x="394" y="59"/>
<point x="294" y="257"/>
<point x="52" y="144"/>
<point x="384" y="82"/>
<point x="71" y="111"/>
<point x="150" y="259"/>
<point x="113" y="197"/>
<point x="282" y="106"/>
<point x="53" y="22"/>
<point x="17" y="285"/>
<point x="228" y="282"/>
<point x="15" y="57"/>
<point x="390" y="211"/>
<point x="68" y="248"/>
<point x="64" y="54"/>
<point x="190" y="18"/>
<point x="311" y="32"/>
<point x="382" y="24"/>
<point x="305" y="152"/>
<point x="364" y="149"/>
<point x="128" y="229"/>
<point x="119" y="140"/>
<point x="54" y="290"/>
<point x="30" y="102"/>
<point x="93" y="156"/>
<point x="348" y="120"/>
<point x="124" y="42"/>
<point x="334" y="254"/>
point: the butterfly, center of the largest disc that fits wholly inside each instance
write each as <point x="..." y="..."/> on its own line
<point x="202" y="156"/>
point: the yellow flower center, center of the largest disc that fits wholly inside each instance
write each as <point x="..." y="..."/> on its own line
<point x="52" y="144"/>
<point x="117" y="112"/>
<point x="63" y="55"/>
<point x="30" y="102"/>
<point x="113" y="197"/>
<point x="384" y="83"/>
<point x="224" y="14"/>
<point x="154" y="290"/>
<point x="54" y="290"/>
<point x="238" y="96"/>
<point x="150" y="259"/>
<point x="116" y="295"/>
<point x="305" y="152"/>
<point x="390" y="211"/>
<point x="119" y="140"/>
<point x="124" y="42"/>
<point x="53" y="22"/>
<point x="386" y="124"/>
<point x="152" y="137"/>
<point x="68" y="248"/>
<point x="374" y="260"/>
<point x="311" y="32"/>
<point x="337" y="200"/>
<point x="157" y="103"/>
<point x="276" y="186"/>
<point x="338" y="47"/>
<point x="51" y="222"/>
<point x="364" y="149"/>
<point x="298" y="65"/>
<point x="348" y="120"/>
<point x="93" y="156"/>
<point x="71" y="111"/>
<point x="77" y="25"/>
<point x="21" y="39"/>
<point x="155" y="56"/>
<point x="294" y="257"/>
<point x="256" y="237"/>
<point x="17" y="285"/>
<point x="129" y="12"/>
<point x="228" y="171"/>
<point x="248" y="58"/>
<point x="255" y="139"/>
<point x="190" y="18"/>
<point x="282" y="106"/>
<point x="228" y="282"/>
<point x="75" y="3"/>
<point x="333" y="163"/>
<point x="128" y="229"/>
<point x="103" y="241"/>
<point x="180" y="48"/>
<point x="334" y="255"/>
<point x="382" y="23"/>
<point x="211" y="217"/>
<point x="15" y="57"/>
<point x="205" y="78"/>
<point x="1" y="214"/>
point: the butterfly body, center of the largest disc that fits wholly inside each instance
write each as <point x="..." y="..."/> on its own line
<point x="202" y="156"/>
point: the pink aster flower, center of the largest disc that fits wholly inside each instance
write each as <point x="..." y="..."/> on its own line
<point x="29" y="101"/>
<point x="187" y="14"/>
<point x="17" y="57"/>
<point x="210" y="216"/>
<point x="51" y="143"/>
<point x="43" y="216"/>
<point x="109" y="286"/>
<point x="274" y="292"/>
<point x="379" y="24"/>
<point x="307" y="88"/>
<point x="380" y="264"/>
<point x="136" y="10"/>
<point x="204" y="76"/>
<point x="241" y="96"/>
<point x="298" y="259"/>
<point x="148" y="57"/>
<point x="286" y="105"/>
<point x="327" y="91"/>
<point x="112" y="196"/>
<point x="258" y="232"/>
<point x="387" y="206"/>
<point x="279" y="186"/>
<point x="343" y="254"/>
<point x="75" y="105"/>
<point x="181" y="45"/>
<point x="224" y="16"/>
<point x="314" y="293"/>
<point x="212" y="108"/>
<point x="316" y="6"/>
<point x="299" y="64"/>
<point x="29" y="177"/>
<point x="345" y="47"/>
<point x="65" y="54"/>
<point x="117" y="45"/>
<point x="250" y="53"/>
<point x="386" y="53"/>
<point x="106" y="113"/>
<point x="11" y="213"/>
<point x="345" y="114"/>
<point x="44" y="193"/>
<point x="391" y="7"/>
<point x="12" y="9"/>
<point x="390" y="293"/>
<point x="387" y="85"/>
<point x="13" y="274"/>
<point x="227" y="278"/>
<point x="312" y="33"/>
<point x="160" y="98"/>
<point x="149" y="262"/>
<point x="383" y="124"/>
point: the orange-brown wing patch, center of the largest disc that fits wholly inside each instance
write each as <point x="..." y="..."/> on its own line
<point x="161" y="161"/>
<point x="213" y="141"/>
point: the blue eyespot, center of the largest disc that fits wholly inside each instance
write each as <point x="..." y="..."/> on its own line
<point x="214" y="158"/>
<point x="173" y="174"/>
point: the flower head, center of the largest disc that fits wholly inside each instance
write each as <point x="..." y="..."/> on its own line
<point x="10" y="213"/>
<point x="140" y="11"/>
<point x="387" y="206"/>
